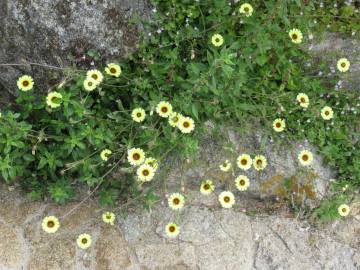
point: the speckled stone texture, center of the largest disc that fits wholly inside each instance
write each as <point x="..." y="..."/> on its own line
<point x="60" y="32"/>
<point x="211" y="238"/>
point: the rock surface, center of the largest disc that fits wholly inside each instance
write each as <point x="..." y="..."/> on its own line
<point x="61" y="32"/>
<point x="211" y="238"/>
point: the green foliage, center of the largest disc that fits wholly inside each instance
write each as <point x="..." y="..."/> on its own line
<point x="254" y="76"/>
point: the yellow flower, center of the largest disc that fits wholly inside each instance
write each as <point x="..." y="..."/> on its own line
<point x="54" y="99"/>
<point x="327" y="113"/>
<point x="226" y="199"/>
<point x="226" y="166"/>
<point x="176" y="201"/>
<point x="344" y="210"/>
<point x="246" y="9"/>
<point x="164" y="109"/>
<point x="260" y="162"/>
<point x="105" y="154"/>
<point x="305" y="157"/>
<point x="136" y="156"/>
<point x="186" y="125"/>
<point x="303" y="100"/>
<point x="174" y="119"/>
<point x="207" y="187"/>
<point x="84" y="241"/>
<point x="242" y="182"/>
<point x="217" y="40"/>
<point x="90" y="84"/>
<point x="172" y="230"/>
<point x="343" y="65"/>
<point x="50" y="224"/>
<point x="96" y="75"/>
<point x="145" y="173"/>
<point x="279" y="125"/>
<point x="152" y="162"/>
<point x="108" y="217"/>
<point x="244" y="162"/>
<point x="25" y="83"/>
<point x="295" y="35"/>
<point x="138" y="115"/>
<point x="113" y="70"/>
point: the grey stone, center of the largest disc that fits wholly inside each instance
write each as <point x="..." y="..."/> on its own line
<point x="60" y="32"/>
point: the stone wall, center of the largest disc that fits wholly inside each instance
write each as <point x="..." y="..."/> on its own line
<point x="211" y="239"/>
<point x="60" y="33"/>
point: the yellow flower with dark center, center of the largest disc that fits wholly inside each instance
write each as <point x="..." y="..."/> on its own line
<point x="172" y="230"/>
<point x="95" y="75"/>
<point x="259" y="162"/>
<point x="152" y="162"/>
<point x="343" y="65"/>
<point x="105" y="154"/>
<point x="138" y="115"/>
<point x="145" y="173"/>
<point x="279" y="125"/>
<point x="207" y="187"/>
<point x="343" y="210"/>
<point x="113" y="70"/>
<point x="136" y="156"/>
<point x="186" y="125"/>
<point x="303" y="100"/>
<point x="217" y="40"/>
<point x="176" y="201"/>
<point x="226" y="166"/>
<point x="164" y="109"/>
<point x="84" y="241"/>
<point x="327" y="113"/>
<point x="54" y="99"/>
<point x="242" y="182"/>
<point x="226" y="199"/>
<point x="246" y="9"/>
<point x="305" y="157"/>
<point x="295" y="35"/>
<point x="90" y="84"/>
<point x="174" y="119"/>
<point x="244" y="162"/>
<point x="25" y="83"/>
<point x="108" y="217"/>
<point x="50" y="224"/>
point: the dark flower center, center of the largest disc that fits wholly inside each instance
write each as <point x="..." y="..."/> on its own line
<point x="278" y="124"/>
<point x="26" y="83"/>
<point x="90" y="83"/>
<point x="84" y="240"/>
<point x="94" y="76"/>
<point x="259" y="162"/>
<point x="243" y="161"/>
<point x="294" y="36"/>
<point x="51" y="224"/>
<point x="305" y="157"/>
<point x="226" y="199"/>
<point x="136" y="156"/>
<point x="343" y="210"/>
<point x="112" y="70"/>
<point x="164" y="109"/>
<point x="246" y="9"/>
<point x="327" y="112"/>
<point x="343" y="64"/>
<point x="302" y="100"/>
<point x="242" y="182"/>
<point x="138" y="114"/>
<point x="186" y="124"/>
<point x="172" y="229"/>
<point x="176" y="201"/>
<point x="145" y="172"/>
<point x="206" y="186"/>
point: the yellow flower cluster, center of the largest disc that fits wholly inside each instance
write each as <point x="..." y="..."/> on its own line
<point x="147" y="166"/>
<point x="183" y="123"/>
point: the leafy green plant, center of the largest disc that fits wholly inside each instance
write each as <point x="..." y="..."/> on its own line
<point x="255" y="75"/>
